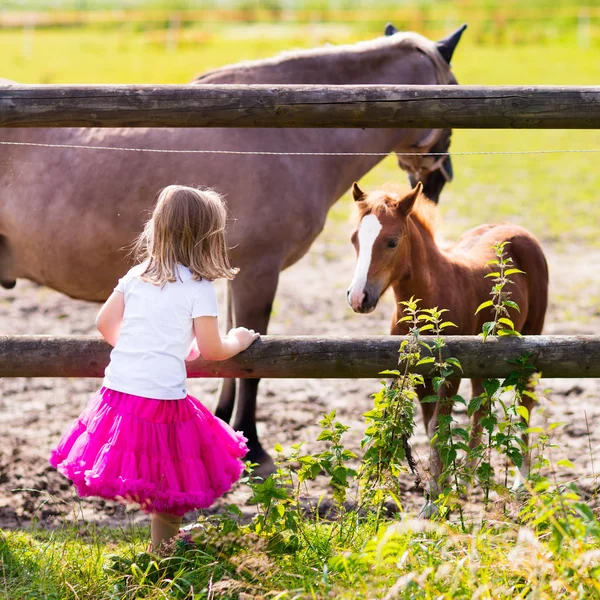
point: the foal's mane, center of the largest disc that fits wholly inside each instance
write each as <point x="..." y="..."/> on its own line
<point x="383" y="200"/>
<point x="404" y="39"/>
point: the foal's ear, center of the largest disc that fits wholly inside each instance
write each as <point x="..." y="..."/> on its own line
<point x="407" y="203"/>
<point x="357" y="193"/>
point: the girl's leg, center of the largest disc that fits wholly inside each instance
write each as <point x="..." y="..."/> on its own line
<point x="163" y="527"/>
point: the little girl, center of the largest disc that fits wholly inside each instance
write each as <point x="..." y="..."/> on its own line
<point x="142" y="438"/>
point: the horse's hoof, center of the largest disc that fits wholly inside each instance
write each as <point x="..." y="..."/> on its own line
<point x="264" y="463"/>
<point x="429" y="511"/>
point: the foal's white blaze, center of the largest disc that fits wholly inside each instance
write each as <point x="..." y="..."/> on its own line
<point x="367" y="234"/>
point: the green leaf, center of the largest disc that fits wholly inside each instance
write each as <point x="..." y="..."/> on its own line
<point x="447" y="324"/>
<point x="487" y="329"/>
<point x="508" y="332"/>
<point x="485" y="471"/>
<point x="506" y="321"/>
<point x="493" y="274"/>
<point x="461" y="433"/>
<point x="489" y="422"/>
<point x="511" y="304"/>
<point x="430" y="399"/>
<point x="534" y="430"/>
<point x="426" y="360"/>
<point x="427" y="327"/>
<point x="395" y="372"/>
<point x="484" y="305"/>
<point x="490" y="386"/>
<point x="523" y="412"/>
<point x="474" y="405"/>
<point x="459" y="399"/>
<point x="437" y="383"/>
<point x="516" y="456"/>
<point x="454" y="362"/>
<point x="565" y="462"/>
<point x="513" y="271"/>
<point x="555" y="425"/>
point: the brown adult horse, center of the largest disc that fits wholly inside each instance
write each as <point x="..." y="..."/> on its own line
<point x="67" y="215"/>
<point x="396" y="248"/>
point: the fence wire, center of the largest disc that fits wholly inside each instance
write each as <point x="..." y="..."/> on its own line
<point x="270" y="153"/>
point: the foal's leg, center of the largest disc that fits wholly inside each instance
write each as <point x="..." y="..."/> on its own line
<point x="431" y="411"/>
<point x="475" y="439"/>
<point x="528" y="402"/>
<point x="253" y="294"/>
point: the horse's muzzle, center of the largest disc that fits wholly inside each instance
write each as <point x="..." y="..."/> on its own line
<point x="364" y="304"/>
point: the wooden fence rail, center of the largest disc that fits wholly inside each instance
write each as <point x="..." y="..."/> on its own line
<point x="388" y="106"/>
<point x="312" y="357"/>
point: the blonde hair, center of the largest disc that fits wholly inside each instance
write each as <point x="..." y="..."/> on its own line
<point x="187" y="227"/>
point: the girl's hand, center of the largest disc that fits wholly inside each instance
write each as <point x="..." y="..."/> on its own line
<point x="243" y="336"/>
<point x="194" y="353"/>
<point x="214" y="347"/>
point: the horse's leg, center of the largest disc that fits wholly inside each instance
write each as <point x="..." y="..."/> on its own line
<point x="253" y="294"/>
<point x="475" y="438"/>
<point x="528" y="401"/>
<point x="431" y="411"/>
<point x="227" y="388"/>
<point x="533" y="326"/>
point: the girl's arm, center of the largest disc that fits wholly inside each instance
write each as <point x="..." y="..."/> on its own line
<point x="110" y="317"/>
<point x="214" y="347"/>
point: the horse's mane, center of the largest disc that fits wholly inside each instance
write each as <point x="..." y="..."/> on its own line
<point x="404" y="39"/>
<point x="424" y="210"/>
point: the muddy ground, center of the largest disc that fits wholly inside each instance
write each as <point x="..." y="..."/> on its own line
<point x="311" y="300"/>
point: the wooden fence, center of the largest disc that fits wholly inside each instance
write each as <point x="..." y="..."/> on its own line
<point x="383" y="106"/>
<point x="305" y="106"/>
<point x="314" y="357"/>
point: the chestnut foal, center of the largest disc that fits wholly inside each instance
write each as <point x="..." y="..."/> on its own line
<point x="396" y="248"/>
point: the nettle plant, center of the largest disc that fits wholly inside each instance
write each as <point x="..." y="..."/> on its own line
<point x="467" y="464"/>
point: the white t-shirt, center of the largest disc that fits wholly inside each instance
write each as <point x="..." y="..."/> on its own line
<point x="156" y="334"/>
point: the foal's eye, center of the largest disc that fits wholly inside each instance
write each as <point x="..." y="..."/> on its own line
<point x="392" y="243"/>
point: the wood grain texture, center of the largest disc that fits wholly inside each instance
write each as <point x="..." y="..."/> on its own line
<point x="312" y="357"/>
<point x="388" y="106"/>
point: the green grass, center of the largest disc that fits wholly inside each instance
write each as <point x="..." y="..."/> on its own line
<point x="406" y="559"/>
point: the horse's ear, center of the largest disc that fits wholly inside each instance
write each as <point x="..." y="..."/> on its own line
<point x="407" y="203"/>
<point x="390" y="29"/>
<point x="447" y="46"/>
<point x="357" y="193"/>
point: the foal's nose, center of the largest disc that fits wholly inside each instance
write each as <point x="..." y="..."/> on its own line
<point x="359" y="304"/>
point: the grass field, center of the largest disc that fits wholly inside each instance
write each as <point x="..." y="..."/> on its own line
<point x="554" y="554"/>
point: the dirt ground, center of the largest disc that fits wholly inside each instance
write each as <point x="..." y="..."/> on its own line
<point x="311" y="300"/>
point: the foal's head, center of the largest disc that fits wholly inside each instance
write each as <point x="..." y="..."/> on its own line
<point x="381" y="243"/>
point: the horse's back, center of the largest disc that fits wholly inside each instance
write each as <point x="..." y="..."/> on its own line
<point x="527" y="255"/>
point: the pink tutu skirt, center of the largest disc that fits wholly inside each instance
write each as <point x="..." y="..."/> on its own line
<point x="169" y="456"/>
